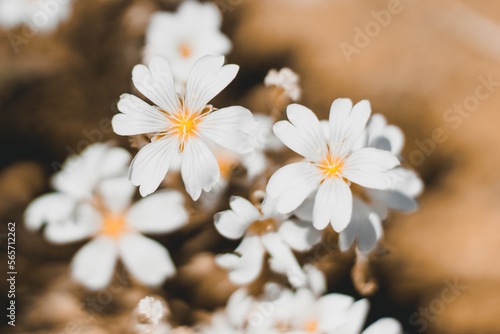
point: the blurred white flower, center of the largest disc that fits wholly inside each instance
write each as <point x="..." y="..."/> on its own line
<point x="97" y="204"/>
<point x="115" y="226"/>
<point x="40" y="15"/>
<point x="281" y="310"/>
<point x="151" y="315"/>
<point x="182" y="124"/>
<point x="372" y="205"/>
<point x="330" y="165"/>
<point x="150" y="310"/>
<point x="183" y="37"/>
<point x="75" y="183"/>
<point x="263" y="231"/>
<point x="285" y="79"/>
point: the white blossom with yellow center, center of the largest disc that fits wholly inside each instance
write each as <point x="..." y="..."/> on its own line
<point x="263" y="231"/>
<point x="186" y="35"/>
<point x="94" y="200"/>
<point x="182" y="124"/>
<point x="330" y="164"/>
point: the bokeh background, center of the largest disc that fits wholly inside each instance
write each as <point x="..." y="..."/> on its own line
<point x="432" y="68"/>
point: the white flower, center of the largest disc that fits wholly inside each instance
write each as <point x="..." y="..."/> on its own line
<point x="41" y="15"/>
<point x="285" y="79"/>
<point x="115" y="227"/>
<point x="330" y="165"/>
<point x="100" y="208"/>
<point x="76" y="183"/>
<point x="182" y="124"/>
<point x="150" y="310"/>
<point x="183" y="37"/>
<point x="263" y="231"/>
<point x="371" y="206"/>
<point x="281" y="310"/>
<point x="329" y="314"/>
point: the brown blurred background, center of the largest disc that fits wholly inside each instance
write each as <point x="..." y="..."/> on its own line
<point x="433" y="68"/>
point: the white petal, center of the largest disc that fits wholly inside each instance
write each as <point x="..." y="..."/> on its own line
<point x="239" y="305"/>
<point x="283" y="260"/>
<point x="230" y="225"/>
<point x="244" y="209"/>
<point x="300" y="236"/>
<point x="85" y="222"/>
<point x="376" y="125"/>
<point x="355" y="317"/>
<point x="332" y="310"/>
<point x="199" y="168"/>
<point x="49" y="208"/>
<point x="116" y="193"/>
<point x="304" y="134"/>
<point x="368" y="167"/>
<point x="384" y="326"/>
<point x="406" y="181"/>
<point x="292" y="184"/>
<point x="147" y="260"/>
<point x="157" y="84"/>
<point x="151" y="164"/>
<point x="207" y="15"/>
<point x="114" y="162"/>
<point x="370" y="234"/>
<point x="207" y="78"/>
<point x="309" y="126"/>
<point x="246" y="268"/>
<point x="161" y="212"/>
<point x="333" y="203"/>
<point x="395" y="137"/>
<point x="365" y="225"/>
<point x="305" y="210"/>
<point x="316" y="279"/>
<point x="394" y="199"/>
<point x="94" y="264"/>
<point x="231" y="128"/>
<point x="137" y="117"/>
<point x="346" y="125"/>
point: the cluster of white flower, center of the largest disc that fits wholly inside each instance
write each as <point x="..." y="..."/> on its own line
<point x="281" y="310"/>
<point x="347" y="174"/>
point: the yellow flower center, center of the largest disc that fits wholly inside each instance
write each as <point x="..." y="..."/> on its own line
<point x="184" y="125"/>
<point x="311" y="326"/>
<point x="185" y="50"/>
<point x="113" y="225"/>
<point x="331" y="167"/>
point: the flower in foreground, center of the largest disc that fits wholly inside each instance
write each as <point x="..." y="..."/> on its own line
<point x="182" y="124"/>
<point x="183" y="37"/>
<point x="263" y="231"/>
<point x="42" y="17"/>
<point x="330" y="165"/>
